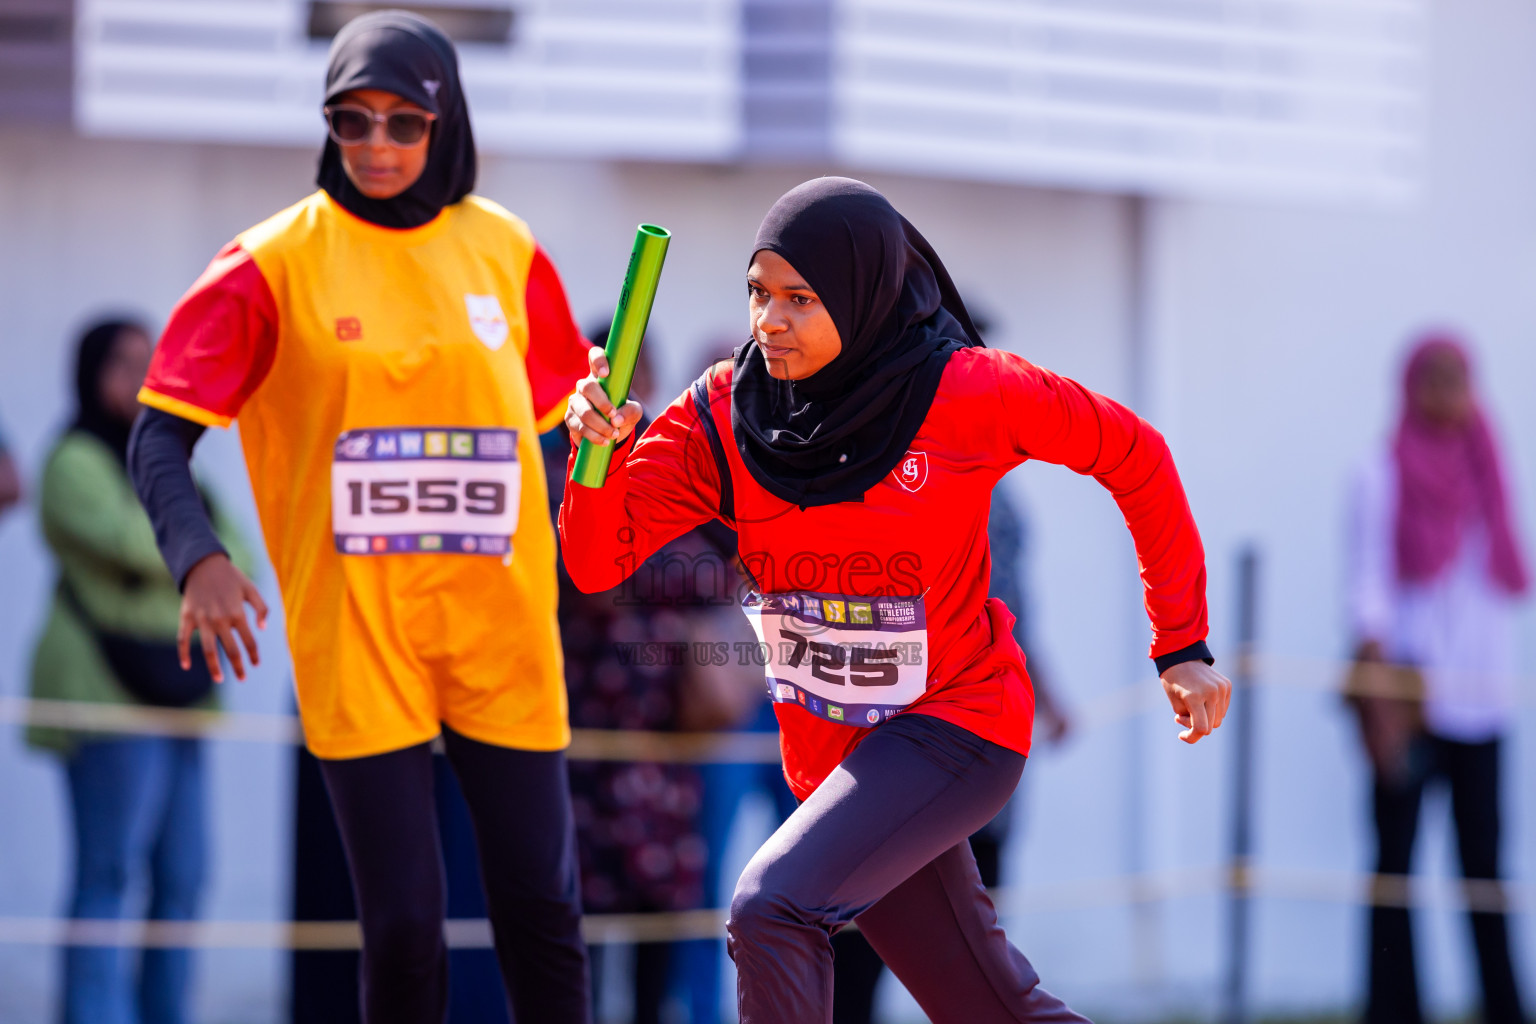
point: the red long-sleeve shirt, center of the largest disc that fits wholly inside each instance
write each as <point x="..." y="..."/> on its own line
<point x="922" y="531"/>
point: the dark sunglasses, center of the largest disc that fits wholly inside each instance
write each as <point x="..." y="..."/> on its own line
<point x="351" y="125"/>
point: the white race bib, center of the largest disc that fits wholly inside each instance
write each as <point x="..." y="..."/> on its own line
<point x="854" y="660"/>
<point x="434" y="490"/>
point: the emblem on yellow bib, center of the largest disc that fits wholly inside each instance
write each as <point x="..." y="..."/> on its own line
<point x="487" y="320"/>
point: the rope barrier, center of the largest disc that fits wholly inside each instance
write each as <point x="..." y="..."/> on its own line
<point x="1251" y="880"/>
<point x="1299" y="885"/>
<point x="256" y="727"/>
<point x="465" y="933"/>
<point x="1275" y="673"/>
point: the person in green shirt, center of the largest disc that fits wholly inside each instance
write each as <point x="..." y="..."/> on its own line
<point x="137" y="801"/>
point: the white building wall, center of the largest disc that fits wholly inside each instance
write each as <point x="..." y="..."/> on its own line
<point x="1274" y="339"/>
<point x="1279" y="334"/>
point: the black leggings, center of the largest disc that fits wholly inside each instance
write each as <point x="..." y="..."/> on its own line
<point x="884" y="841"/>
<point x="1472" y="772"/>
<point x="520" y="803"/>
<point x="856" y="967"/>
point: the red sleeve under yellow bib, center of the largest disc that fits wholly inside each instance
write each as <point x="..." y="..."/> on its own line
<point x="218" y="343"/>
<point x="557" y="353"/>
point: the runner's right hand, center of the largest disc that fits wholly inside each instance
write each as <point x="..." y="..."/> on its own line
<point x="213" y="603"/>
<point x="590" y="416"/>
<point x="1200" y="696"/>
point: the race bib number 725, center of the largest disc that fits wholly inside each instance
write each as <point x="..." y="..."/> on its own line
<point x="854" y="660"/>
<point x="431" y="490"/>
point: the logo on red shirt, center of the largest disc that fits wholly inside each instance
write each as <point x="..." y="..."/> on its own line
<point x="349" y="328"/>
<point x="912" y="470"/>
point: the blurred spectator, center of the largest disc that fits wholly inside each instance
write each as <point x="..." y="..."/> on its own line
<point x="137" y="801"/>
<point x="1435" y="571"/>
<point x="857" y="967"/>
<point x="10" y="479"/>
<point x="1008" y="536"/>
<point x="631" y="664"/>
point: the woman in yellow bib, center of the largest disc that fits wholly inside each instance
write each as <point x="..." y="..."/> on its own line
<point x="392" y="346"/>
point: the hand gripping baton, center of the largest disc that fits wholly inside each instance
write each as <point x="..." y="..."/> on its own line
<point x="624" y="336"/>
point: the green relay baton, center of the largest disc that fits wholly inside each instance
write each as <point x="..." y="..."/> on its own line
<point x="624" y="336"/>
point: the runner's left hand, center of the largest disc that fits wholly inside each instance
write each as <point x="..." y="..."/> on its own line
<point x="1199" y="695"/>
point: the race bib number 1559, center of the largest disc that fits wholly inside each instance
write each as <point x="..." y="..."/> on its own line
<point x="429" y="490"/>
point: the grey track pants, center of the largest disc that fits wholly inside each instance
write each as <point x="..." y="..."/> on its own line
<point x="884" y="841"/>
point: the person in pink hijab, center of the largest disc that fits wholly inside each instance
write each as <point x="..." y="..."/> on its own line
<point x="1436" y="570"/>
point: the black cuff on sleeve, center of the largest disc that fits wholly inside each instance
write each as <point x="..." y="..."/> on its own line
<point x="1196" y="651"/>
<point x="160" y="462"/>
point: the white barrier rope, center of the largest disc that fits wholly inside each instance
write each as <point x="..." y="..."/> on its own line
<point x="255" y="727"/>
<point x="464" y="933"/>
<point x="738" y="748"/>
<point x="1274" y="673"/>
<point x="1299" y="885"/>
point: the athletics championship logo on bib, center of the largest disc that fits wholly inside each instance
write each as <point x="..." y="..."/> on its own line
<point x="425" y="490"/>
<point x="487" y="320"/>
<point x="853" y="660"/>
<point x="912" y="471"/>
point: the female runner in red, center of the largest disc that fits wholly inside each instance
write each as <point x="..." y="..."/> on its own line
<point x="854" y="443"/>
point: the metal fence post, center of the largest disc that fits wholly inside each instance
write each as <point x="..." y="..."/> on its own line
<point x="1243" y="698"/>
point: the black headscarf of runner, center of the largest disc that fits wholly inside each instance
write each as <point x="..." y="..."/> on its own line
<point x="835" y="434"/>
<point x="97" y="346"/>
<point x="409" y="56"/>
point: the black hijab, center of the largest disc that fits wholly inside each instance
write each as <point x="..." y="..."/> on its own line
<point x="835" y="434"/>
<point x="409" y="56"/>
<point x="91" y="416"/>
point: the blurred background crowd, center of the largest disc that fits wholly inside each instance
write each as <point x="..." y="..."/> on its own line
<point x="1298" y="236"/>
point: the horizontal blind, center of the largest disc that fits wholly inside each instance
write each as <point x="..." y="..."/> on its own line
<point x="655" y="79"/>
<point x="1313" y="98"/>
<point x="1306" y="98"/>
